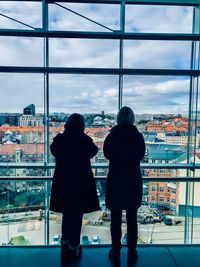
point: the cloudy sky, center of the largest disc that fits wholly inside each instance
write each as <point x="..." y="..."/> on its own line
<point x="94" y="93"/>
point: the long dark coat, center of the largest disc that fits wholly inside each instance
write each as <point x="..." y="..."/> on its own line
<point x="73" y="187"/>
<point x="125" y="148"/>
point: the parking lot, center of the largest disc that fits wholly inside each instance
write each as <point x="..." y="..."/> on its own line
<point x="96" y="230"/>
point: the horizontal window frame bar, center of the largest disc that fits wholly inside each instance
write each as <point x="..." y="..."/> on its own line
<point x="102" y="178"/>
<point x="136" y="2"/>
<point x="117" y="35"/>
<point x="100" y="71"/>
<point x="185" y="166"/>
<point x="128" y="2"/>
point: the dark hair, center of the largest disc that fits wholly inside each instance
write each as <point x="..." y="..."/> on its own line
<point x="125" y="116"/>
<point x="75" y="121"/>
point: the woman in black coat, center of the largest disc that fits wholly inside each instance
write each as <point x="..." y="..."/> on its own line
<point x="124" y="147"/>
<point x="73" y="190"/>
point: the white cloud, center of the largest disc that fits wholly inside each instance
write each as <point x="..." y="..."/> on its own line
<point x="29" y="13"/>
<point x="93" y="93"/>
<point x="84" y="53"/>
<point x="21" y="51"/>
<point x="65" y="20"/>
<point x="169" y="96"/>
<point x="19" y="90"/>
<point x="69" y="92"/>
<point x="111" y="93"/>
<point x="157" y="54"/>
<point x="147" y="18"/>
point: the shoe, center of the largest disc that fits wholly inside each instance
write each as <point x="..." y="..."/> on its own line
<point x="69" y="255"/>
<point x="132" y="257"/>
<point x="114" y="256"/>
<point x="75" y="254"/>
<point x="64" y="252"/>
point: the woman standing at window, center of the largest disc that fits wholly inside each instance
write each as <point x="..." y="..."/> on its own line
<point x="73" y="190"/>
<point x="124" y="147"/>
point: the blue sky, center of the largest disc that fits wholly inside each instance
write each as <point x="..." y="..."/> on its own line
<point x="85" y="93"/>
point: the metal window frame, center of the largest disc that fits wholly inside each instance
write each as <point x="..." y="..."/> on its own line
<point x="128" y="2"/>
<point x="120" y="35"/>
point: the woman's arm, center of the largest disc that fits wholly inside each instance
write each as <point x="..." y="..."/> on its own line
<point x="106" y="147"/>
<point x="92" y="149"/>
<point x="54" y="147"/>
<point x="141" y="146"/>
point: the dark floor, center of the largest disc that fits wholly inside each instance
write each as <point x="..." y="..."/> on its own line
<point x="164" y="256"/>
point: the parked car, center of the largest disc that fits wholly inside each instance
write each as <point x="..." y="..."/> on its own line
<point x="167" y="221"/>
<point x="149" y="219"/>
<point x="85" y="240"/>
<point x="56" y="240"/>
<point x="141" y="218"/>
<point x="157" y="219"/>
<point x="156" y="213"/>
<point x="163" y="210"/>
<point x="95" y="240"/>
<point x="162" y="217"/>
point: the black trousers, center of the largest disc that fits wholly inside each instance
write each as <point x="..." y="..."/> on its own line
<point x="116" y="231"/>
<point x="71" y="228"/>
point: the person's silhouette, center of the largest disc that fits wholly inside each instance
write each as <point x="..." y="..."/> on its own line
<point x="124" y="147"/>
<point x="73" y="190"/>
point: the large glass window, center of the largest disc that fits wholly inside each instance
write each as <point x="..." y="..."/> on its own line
<point x="59" y="58"/>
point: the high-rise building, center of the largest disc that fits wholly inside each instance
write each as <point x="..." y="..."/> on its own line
<point x="29" y="110"/>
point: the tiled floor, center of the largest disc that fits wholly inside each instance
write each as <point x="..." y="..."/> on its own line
<point x="149" y="256"/>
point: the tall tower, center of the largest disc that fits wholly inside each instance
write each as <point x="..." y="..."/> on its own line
<point x="29" y="110"/>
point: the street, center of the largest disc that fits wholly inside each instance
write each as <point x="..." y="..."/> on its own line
<point x="33" y="230"/>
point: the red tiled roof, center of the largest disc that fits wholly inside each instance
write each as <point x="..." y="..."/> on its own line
<point x="198" y="155"/>
<point x="23" y="129"/>
<point x="27" y="148"/>
<point x="96" y="132"/>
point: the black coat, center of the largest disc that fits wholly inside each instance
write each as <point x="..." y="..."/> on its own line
<point x="73" y="187"/>
<point x="125" y="148"/>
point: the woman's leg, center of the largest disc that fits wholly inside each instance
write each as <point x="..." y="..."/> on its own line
<point x="116" y="232"/>
<point x="71" y="228"/>
<point x="70" y="242"/>
<point x="132" y="236"/>
<point x="75" y="229"/>
<point x="65" y="227"/>
<point x="132" y="228"/>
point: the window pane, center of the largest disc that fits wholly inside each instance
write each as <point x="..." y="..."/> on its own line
<point x="27" y="13"/>
<point x="157" y="54"/>
<point x="84" y="53"/>
<point x="21" y="51"/>
<point x="22" y="213"/>
<point x="21" y="122"/>
<point x="83" y="93"/>
<point x="62" y="19"/>
<point x="153" y="96"/>
<point x="156" y="19"/>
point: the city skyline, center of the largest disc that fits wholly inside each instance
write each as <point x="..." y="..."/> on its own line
<point x="99" y="112"/>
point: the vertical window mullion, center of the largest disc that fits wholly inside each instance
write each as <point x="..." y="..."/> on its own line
<point x="46" y="118"/>
<point x="121" y="52"/>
